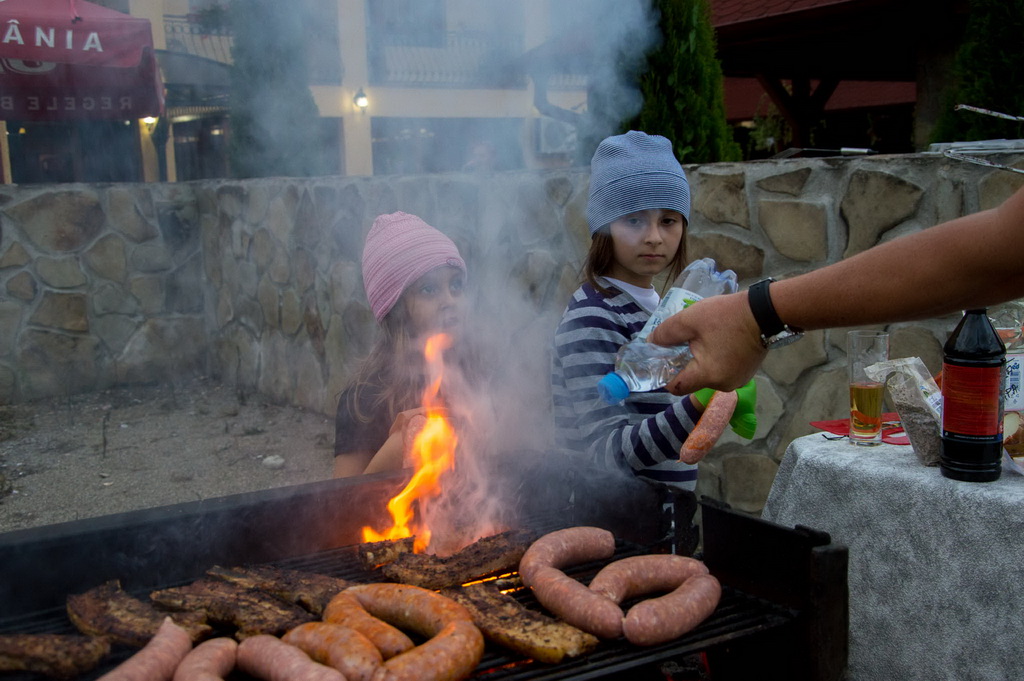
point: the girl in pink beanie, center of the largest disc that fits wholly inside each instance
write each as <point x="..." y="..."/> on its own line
<point x="414" y="278"/>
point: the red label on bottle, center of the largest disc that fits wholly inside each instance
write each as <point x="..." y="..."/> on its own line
<point x="972" y="400"/>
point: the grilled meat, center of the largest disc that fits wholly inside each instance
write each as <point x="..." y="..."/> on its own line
<point x="61" y="656"/>
<point x="253" y="612"/>
<point x="310" y="590"/>
<point x="376" y="553"/>
<point x="507" y="622"/>
<point x="109" y="611"/>
<point x="496" y="554"/>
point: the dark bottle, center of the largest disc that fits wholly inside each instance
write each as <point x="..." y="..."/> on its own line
<point x="972" y="400"/>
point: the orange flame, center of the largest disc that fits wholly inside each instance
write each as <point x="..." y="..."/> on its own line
<point x="433" y="452"/>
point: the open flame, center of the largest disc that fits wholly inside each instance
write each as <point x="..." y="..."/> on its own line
<point x="433" y="453"/>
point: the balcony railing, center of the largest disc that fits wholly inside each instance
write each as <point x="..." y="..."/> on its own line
<point x="456" y="59"/>
<point x="185" y="33"/>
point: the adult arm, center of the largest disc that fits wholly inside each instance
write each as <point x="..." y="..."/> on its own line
<point x="972" y="261"/>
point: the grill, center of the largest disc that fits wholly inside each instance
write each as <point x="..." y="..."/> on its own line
<point x="783" y="613"/>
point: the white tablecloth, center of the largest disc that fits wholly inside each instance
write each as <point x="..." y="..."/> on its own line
<point x="936" y="570"/>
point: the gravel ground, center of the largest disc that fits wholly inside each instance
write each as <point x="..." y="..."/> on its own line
<point x="144" y="446"/>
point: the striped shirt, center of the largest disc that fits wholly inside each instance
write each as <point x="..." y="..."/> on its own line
<point x="644" y="433"/>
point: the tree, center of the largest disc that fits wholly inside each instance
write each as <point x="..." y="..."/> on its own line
<point x="275" y="124"/>
<point x="684" y="95"/>
<point x="988" y="73"/>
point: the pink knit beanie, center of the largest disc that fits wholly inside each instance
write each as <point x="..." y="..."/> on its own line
<point x="401" y="248"/>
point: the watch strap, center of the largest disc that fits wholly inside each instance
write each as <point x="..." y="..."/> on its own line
<point x="764" y="312"/>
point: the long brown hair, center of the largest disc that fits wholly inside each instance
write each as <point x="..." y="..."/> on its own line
<point x="397" y="368"/>
<point x="601" y="256"/>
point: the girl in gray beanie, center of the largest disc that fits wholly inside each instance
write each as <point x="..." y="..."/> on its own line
<point x="638" y="209"/>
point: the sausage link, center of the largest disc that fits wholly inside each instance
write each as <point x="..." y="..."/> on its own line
<point x="269" y="658"/>
<point x="662" y="619"/>
<point x="209" y="661"/>
<point x="635" y="576"/>
<point x="346" y="610"/>
<point x="158" y="659"/>
<point x="709" y="428"/>
<point x="336" y="646"/>
<point x="562" y="548"/>
<point x="451" y="655"/>
<point x="409" y="607"/>
<point x="577" y="605"/>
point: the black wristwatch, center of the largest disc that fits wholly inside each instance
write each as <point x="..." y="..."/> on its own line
<point x="774" y="332"/>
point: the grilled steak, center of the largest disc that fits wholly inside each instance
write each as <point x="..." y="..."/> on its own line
<point x="508" y="623"/>
<point x="376" y="553"/>
<point x="496" y="554"/>
<point x="252" y="612"/>
<point x="109" y="611"/>
<point x="308" y="589"/>
<point x="61" y="656"/>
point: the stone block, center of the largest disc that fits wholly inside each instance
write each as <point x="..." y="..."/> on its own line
<point x="60" y="272"/>
<point x="917" y="341"/>
<point x="53" y="363"/>
<point x="266" y="294"/>
<point x="163" y="348"/>
<point x="59" y="221"/>
<point x="998" y="186"/>
<point x="825" y="396"/>
<point x="791" y="183"/>
<point x="281" y="213"/>
<point x="109" y="298"/>
<point x="291" y="312"/>
<point x="124" y="215"/>
<point x="151" y="257"/>
<point x="22" y="286"/>
<point x="874" y="203"/>
<point x="787" y="364"/>
<point x="65" y="311"/>
<point x="797" y="229"/>
<point x="114" y="330"/>
<point x="15" y="256"/>
<point x="722" y="198"/>
<point x="746" y="260"/>
<point x="10" y="323"/>
<point x="747" y="480"/>
<point x="185" y="288"/>
<point x="149" y="292"/>
<point x="8" y="385"/>
<point x="107" y="258"/>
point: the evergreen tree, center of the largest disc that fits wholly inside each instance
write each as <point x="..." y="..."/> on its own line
<point x="988" y="73"/>
<point x="275" y="124"/>
<point x="683" y="88"/>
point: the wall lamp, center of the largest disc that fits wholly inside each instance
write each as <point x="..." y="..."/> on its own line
<point x="361" y="100"/>
<point x="150" y="123"/>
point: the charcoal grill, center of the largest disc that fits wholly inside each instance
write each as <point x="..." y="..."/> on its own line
<point x="783" y="613"/>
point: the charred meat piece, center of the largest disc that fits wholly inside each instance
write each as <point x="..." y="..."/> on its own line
<point x="251" y="611"/>
<point x="376" y="553"/>
<point x="109" y="611"/>
<point x="491" y="555"/>
<point x="61" y="656"/>
<point x="507" y="622"/>
<point x="310" y="590"/>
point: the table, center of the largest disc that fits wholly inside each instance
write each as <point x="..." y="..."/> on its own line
<point x="936" y="571"/>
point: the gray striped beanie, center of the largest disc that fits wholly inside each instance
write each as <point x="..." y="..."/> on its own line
<point x="634" y="172"/>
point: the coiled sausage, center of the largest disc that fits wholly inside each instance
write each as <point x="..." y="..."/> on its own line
<point x="209" y="661"/>
<point x="662" y="619"/>
<point x="269" y="658"/>
<point x="562" y="548"/>
<point x="336" y="646"/>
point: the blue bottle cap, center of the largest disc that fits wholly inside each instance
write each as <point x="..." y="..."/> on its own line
<point x="612" y="388"/>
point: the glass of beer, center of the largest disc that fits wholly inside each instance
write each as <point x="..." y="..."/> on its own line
<point x="863" y="349"/>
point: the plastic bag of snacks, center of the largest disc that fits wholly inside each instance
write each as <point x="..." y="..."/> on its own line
<point x="918" y="401"/>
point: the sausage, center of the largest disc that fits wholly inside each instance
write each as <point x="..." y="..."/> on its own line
<point x="269" y="658"/>
<point x="638" y="575"/>
<point x="158" y="659"/>
<point x="336" y="646"/>
<point x="410" y="607"/>
<point x="454" y="646"/>
<point x="562" y="548"/>
<point x="662" y="619"/>
<point x="209" y="661"/>
<point x="345" y="609"/>
<point x="709" y="428"/>
<point x="450" y="655"/>
<point x="574" y="603"/>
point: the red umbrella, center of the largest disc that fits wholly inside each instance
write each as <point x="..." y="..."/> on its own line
<point x="68" y="59"/>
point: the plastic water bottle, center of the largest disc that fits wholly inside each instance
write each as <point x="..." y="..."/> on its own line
<point x="641" y="366"/>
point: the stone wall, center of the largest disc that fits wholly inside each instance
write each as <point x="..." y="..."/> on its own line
<point x="258" y="282"/>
